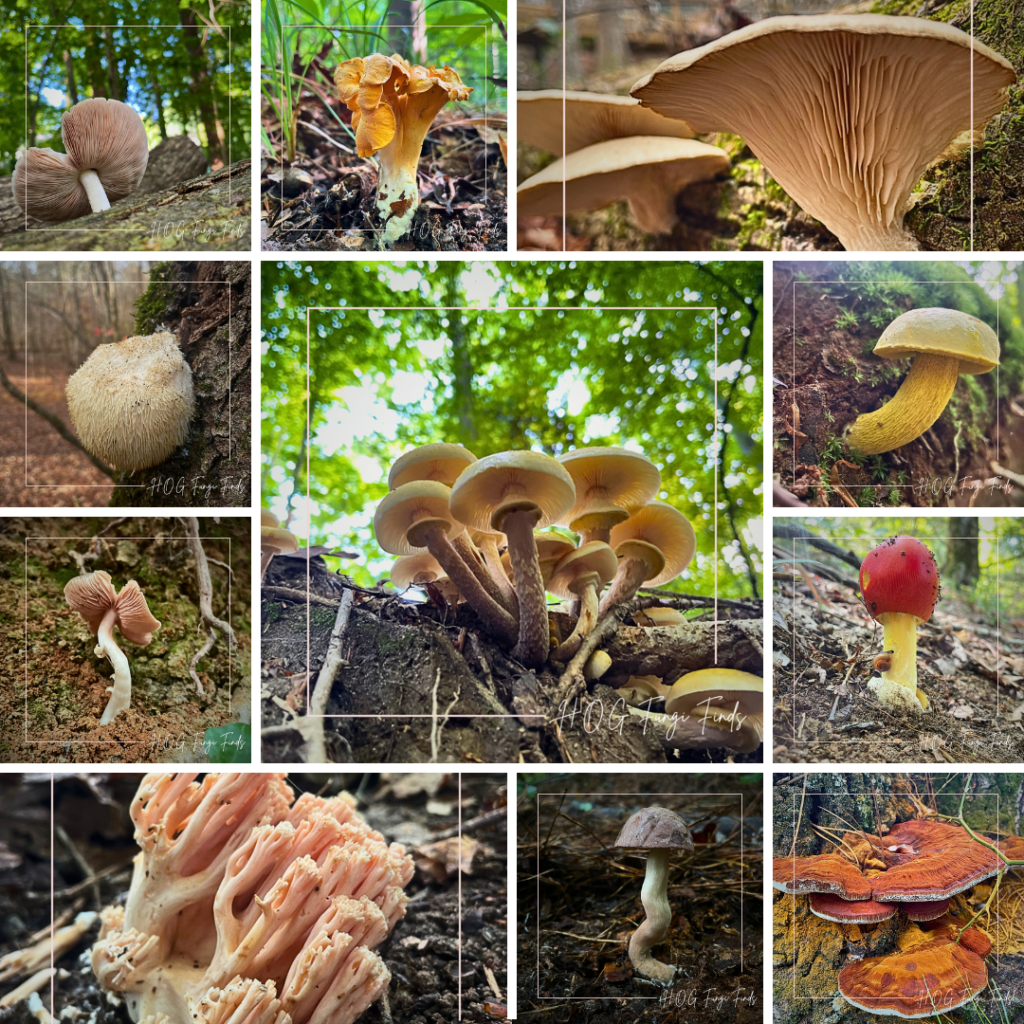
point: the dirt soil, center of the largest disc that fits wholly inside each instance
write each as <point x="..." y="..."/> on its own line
<point x="822" y="661"/>
<point x="57" y="719"/>
<point x="421" y="951"/>
<point x="323" y="201"/>
<point x="578" y="970"/>
<point x="421" y="660"/>
<point x="828" y="372"/>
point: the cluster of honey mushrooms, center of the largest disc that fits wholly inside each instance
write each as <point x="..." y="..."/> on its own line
<point x="845" y="111"/>
<point x="448" y="514"/>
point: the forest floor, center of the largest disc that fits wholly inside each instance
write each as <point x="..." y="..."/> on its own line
<point x="323" y="201"/>
<point x="827" y="376"/>
<point x="51" y="460"/>
<point x="573" y="946"/>
<point x="421" y="951"/>
<point x="420" y="683"/>
<point x="52" y="696"/>
<point x="824" y="713"/>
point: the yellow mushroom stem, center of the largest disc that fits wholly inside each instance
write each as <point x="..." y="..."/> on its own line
<point x="911" y="411"/>
<point x="900" y="638"/>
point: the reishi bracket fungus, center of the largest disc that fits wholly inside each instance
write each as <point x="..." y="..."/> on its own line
<point x="248" y="906"/>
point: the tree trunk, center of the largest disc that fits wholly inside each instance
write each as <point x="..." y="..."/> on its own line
<point x="462" y="361"/>
<point x="94" y="67"/>
<point x="202" y="87"/>
<point x="69" y="75"/>
<point x="612" y="48"/>
<point x="5" y="316"/>
<point x="961" y="569"/>
<point x="207" y="305"/>
<point x="113" y="84"/>
<point x="158" y="99"/>
<point x="400" y="21"/>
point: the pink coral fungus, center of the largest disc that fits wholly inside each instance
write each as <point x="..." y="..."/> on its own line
<point x="250" y="907"/>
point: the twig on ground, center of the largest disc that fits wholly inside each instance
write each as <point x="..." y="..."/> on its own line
<point x="313" y="729"/>
<point x="437" y="725"/>
<point x="82" y="863"/>
<point x="498" y="814"/>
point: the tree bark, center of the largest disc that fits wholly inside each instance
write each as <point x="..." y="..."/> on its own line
<point x="207" y="305"/>
<point x="961" y="569"/>
<point x="202" y="86"/>
<point x="462" y="361"/>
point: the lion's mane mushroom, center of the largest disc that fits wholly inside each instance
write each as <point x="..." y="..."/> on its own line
<point x="843" y="110"/>
<point x="658" y="831"/>
<point x="582" y="574"/>
<point x="648" y="172"/>
<point x="94" y="598"/>
<point x="513" y="492"/>
<point x="245" y="907"/>
<point x="900" y="583"/>
<point x="654" y="545"/>
<point x="393" y="105"/>
<point x="106" y="157"/>
<point x="943" y="343"/>
<point x="131" y="402"/>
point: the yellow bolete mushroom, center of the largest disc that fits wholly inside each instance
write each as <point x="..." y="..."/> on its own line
<point x="393" y="105"/>
<point x="944" y="344"/>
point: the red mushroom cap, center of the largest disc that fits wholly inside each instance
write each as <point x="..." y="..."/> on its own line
<point x="928" y="911"/>
<point x="835" y="908"/>
<point x="900" y="576"/>
<point x="826" y="872"/>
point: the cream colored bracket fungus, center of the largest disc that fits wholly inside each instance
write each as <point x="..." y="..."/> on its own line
<point x="943" y="343"/>
<point x="393" y="105"/>
<point x="106" y="157"/>
<point x="131" y="402"/>
<point x="657" y="831"/>
<point x="587" y="118"/>
<point x="647" y="172"/>
<point x="844" y="111"/>
<point x="94" y="598"/>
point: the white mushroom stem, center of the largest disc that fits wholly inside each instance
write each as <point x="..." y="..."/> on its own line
<point x="534" y="632"/>
<point x="654" y="897"/>
<point x="266" y="557"/>
<point x="398" y="192"/>
<point x="90" y="181"/>
<point x="489" y="549"/>
<point x="121" y="691"/>
<point x="585" y="588"/>
<point x="632" y="572"/>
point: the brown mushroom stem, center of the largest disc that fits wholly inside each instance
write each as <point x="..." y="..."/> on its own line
<point x="121" y="690"/>
<point x="90" y="181"/>
<point x="534" y="632"/>
<point x="489" y="549"/>
<point x="632" y="572"/>
<point x="472" y="556"/>
<point x="654" y="897"/>
<point x="497" y="620"/>
<point x="266" y="557"/>
<point x="585" y="588"/>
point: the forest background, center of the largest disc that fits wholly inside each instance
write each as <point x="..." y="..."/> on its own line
<point x="382" y="382"/>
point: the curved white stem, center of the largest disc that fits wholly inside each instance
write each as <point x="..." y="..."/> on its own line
<point x="121" y="691"/>
<point x="654" y="897"/>
<point x="90" y="181"/>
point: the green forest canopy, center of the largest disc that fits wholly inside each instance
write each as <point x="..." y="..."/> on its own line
<point x="383" y="382"/>
<point x="174" y="70"/>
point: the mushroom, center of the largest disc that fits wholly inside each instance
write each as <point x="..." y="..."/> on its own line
<point x="824" y="872"/>
<point x="422" y="567"/>
<point x="658" y="831"/>
<point x="418" y="515"/>
<point x="131" y="401"/>
<point x="944" y="343"/>
<point x="900" y="584"/>
<point x="654" y="545"/>
<point x="722" y="698"/>
<point x="925" y="911"/>
<point x="610" y="483"/>
<point x="835" y="908"/>
<point x="393" y="105"/>
<point x="94" y="598"/>
<point x="106" y="157"/>
<point x="513" y="492"/>
<point x="552" y="547"/>
<point x="659" y="616"/>
<point x="648" y="172"/>
<point x="582" y="574"/>
<point x="843" y="110"/>
<point x="597" y="665"/>
<point x="273" y="540"/>
<point x="487" y="544"/>
<point x="587" y="118"/>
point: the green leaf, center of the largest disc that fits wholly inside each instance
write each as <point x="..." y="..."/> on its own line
<point x="229" y="744"/>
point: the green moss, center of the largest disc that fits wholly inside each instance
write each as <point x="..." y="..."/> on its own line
<point x="151" y="305"/>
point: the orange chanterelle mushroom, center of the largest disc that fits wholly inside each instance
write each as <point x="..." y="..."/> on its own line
<point x="393" y="105"/>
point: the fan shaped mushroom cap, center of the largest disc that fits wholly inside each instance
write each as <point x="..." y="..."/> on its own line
<point x="590" y="558"/>
<point x="495" y="484"/>
<point x="419" y="568"/>
<point x="104" y="136"/>
<point x="278" y="541"/>
<point x="835" y="908"/>
<point x="131" y="402"/>
<point x="826" y="872"/>
<point x="647" y="171"/>
<point x="924" y="911"/>
<point x="589" y="117"/>
<point x="665" y="528"/>
<point x="441" y="462"/>
<point x="407" y="506"/>
<point x="843" y="110"/>
<point x="93" y="595"/>
<point x="941" y="332"/>
<point x="608" y="480"/>
<point x="655" y="828"/>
